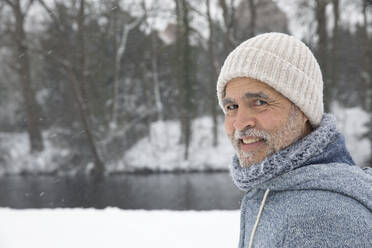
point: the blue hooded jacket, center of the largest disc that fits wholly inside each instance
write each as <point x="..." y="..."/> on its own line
<point x="310" y="194"/>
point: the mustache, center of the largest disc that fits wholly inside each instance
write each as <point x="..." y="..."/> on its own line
<point x="252" y="132"/>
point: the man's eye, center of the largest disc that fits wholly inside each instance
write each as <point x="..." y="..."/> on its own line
<point x="260" y="102"/>
<point x="231" y="107"/>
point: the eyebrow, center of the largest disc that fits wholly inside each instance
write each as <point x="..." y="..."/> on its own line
<point x="226" y="101"/>
<point x="247" y="95"/>
<point x="256" y="95"/>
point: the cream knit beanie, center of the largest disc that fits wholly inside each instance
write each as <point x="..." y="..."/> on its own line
<point x="284" y="63"/>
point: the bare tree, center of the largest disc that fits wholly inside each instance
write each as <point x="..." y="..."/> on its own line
<point x="366" y="74"/>
<point x="31" y="106"/>
<point x="184" y="77"/>
<point x="154" y="59"/>
<point x="228" y="11"/>
<point x="76" y="74"/>
<point x="81" y="95"/>
<point x="252" y="9"/>
<point x="214" y="75"/>
<point x="322" y="47"/>
<point x="155" y="77"/>
<point x="335" y="47"/>
<point x="367" y="61"/>
<point x="121" y="33"/>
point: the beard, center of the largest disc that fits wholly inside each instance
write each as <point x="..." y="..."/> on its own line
<point x="273" y="141"/>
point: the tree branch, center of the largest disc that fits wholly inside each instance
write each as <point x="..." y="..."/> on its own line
<point x="62" y="62"/>
<point x="197" y="11"/>
<point x="225" y="12"/>
<point x="51" y="14"/>
<point x="28" y="6"/>
<point x="10" y="3"/>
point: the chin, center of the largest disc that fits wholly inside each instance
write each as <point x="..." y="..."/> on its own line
<point x="247" y="160"/>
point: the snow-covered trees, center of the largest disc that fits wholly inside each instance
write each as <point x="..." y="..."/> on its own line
<point x="102" y="72"/>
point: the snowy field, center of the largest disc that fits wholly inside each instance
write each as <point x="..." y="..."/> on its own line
<point x="114" y="228"/>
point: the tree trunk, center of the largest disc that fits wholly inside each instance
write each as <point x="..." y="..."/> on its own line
<point x="367" y="92"/>
<point x="228" y="19"/>
<point x="184" y="73"/>
<point x="213" y="80"/>
<point x="116" y="66"/>
<point x="121" y="47"/>
<point x="335" y="42"/>
<point x="31" y="106"/>
<point x="146" y="96"/>
<point x="252" y="9"/>
<point x="80" y="52"/>
<point x="75" y="72"/>
<point x="187" y="82"/>
<point x="366" y="101"/>
<point x="79" y="88"/>
<point x="84" y="114"/>
<point x="321" y="18"/>
<point x="155" y="77"/>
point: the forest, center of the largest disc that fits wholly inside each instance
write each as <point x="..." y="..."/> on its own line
<point x="82" y="81"/>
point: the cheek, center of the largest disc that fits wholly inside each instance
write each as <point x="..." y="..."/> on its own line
<point x="229" y="128"/>
<point x="271" y="121"/>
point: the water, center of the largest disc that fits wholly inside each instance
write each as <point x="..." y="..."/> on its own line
<point x="182" y="191"/>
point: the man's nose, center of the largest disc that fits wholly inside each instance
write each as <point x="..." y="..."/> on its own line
<point x="243" y="120"/>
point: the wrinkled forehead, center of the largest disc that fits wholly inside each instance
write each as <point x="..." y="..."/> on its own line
<point x="244" y="84"/>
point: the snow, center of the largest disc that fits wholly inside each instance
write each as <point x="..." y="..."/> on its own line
<point x="162" y="151"/>
<point x="112" y="227"/>
<point x="17" y="159"/>
<point x="352" y="124"/>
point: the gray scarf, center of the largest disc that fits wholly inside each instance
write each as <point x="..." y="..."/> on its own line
<point x="324" y="145"/>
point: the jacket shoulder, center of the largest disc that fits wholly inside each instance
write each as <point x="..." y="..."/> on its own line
<point x="318" y="218"/>
<point x="327" y="230"/>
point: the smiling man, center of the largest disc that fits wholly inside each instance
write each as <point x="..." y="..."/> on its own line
<point x="266" y="120"/>
<point x="303" y="189"/>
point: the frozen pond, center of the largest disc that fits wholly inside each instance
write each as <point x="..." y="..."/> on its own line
<point x="180" y="191"/>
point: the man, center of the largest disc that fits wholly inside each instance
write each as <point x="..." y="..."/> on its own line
<point x="303" y="189"/>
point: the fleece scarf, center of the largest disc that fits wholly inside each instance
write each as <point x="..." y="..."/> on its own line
<point x="323" y="145"/>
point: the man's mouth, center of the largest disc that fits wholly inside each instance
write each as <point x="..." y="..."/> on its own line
<point x="249" y="144"/>
<point x="247" y="141"/>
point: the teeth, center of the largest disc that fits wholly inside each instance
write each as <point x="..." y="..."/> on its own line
<point x="250" y="141"/>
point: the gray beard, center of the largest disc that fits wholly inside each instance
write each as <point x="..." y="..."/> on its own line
<point x="273" y="141"/>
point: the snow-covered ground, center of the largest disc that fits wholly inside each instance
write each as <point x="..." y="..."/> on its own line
<point x="16" y="159"/>
<point x="162" y="151"/>
<point x="111" y="228"/>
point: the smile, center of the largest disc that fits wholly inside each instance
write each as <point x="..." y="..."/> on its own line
<point x="249" y="144"/>
<point x="250" y="140"/>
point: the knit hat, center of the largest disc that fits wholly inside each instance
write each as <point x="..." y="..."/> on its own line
<point x="282" y="62"/>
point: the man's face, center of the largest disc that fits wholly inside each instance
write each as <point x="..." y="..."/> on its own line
<point x="259" y="120"/>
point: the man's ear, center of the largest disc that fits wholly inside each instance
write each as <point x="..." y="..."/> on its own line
<point x="308" y="126"/>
